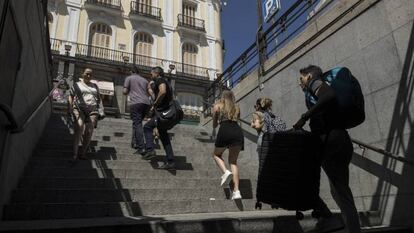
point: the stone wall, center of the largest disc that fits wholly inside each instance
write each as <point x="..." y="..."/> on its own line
<point x="32" y="85"/>
<point x="375" y="39"/>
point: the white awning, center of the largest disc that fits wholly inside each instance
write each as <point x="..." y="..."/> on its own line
<point x="105" y="88"/>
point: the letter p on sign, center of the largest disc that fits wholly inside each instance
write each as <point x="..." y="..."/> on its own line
<point x="270" y="7"/>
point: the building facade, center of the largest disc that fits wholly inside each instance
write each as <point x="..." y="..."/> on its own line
<point x="182" y="36"/>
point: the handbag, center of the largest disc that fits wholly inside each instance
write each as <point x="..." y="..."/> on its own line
<point x="87" y="109"/>
<point x="169" y="117"/>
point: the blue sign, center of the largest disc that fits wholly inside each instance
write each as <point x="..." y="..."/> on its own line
<point x="270" y="8"/>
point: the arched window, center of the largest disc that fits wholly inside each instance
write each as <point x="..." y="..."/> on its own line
<point x="143" y="48"/>
<point x="189" y="58"/>
<point x="189" y="12"/>
<point x="100" y="35"/>
<point x="100" y="38"/>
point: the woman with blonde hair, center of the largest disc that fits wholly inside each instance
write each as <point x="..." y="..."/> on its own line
<point x="226" y="113"/>
<point x="272" y="122"/>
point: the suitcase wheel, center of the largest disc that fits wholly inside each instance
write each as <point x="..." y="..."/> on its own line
<point x="299" y="215"/>
<point x="315" y="214"/>
<point x="275" y="206"/>
<point x="258" y="206"/>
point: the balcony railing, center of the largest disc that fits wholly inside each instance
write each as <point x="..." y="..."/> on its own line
<point x="191" y="22"/>
<point x="146" y="10"/>
<point x="114" y="4"/>
<point x="111" y="56"/>
<point x="192" y="70"/>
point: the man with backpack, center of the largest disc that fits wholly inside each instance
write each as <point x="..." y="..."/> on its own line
<point x="163" y="98"/>
<point x="335" y="103"/>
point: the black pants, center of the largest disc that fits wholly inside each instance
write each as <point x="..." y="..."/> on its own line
<point x="165" y="139"/>
<point x="336" y="158"/>
<point x="138" y="112"/>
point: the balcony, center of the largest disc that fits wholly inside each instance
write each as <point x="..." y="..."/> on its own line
<point x="187" y="70"/>
<point x="144" y="11"/>
<point x="192" y="23"/>
<point x="109" y="6"/>
<point x="116" y="57"/>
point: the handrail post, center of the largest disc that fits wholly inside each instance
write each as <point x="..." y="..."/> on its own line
<point x="261" y="44"/>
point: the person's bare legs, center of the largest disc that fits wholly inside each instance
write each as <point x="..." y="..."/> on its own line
<point x="218" y="157"/>
<point x="233" y="155"/>
<point x="88" y="135"/>
<point x="79" y="129"/>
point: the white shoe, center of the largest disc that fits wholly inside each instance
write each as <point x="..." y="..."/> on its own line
<point x="236" y="195"/>
<point x="226" y="178"/>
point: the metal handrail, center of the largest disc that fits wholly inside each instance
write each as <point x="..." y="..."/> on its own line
<point x="145" y="10"/>
<point x="383" y="152"/>
<point x="294" y="18"/>
<point x="370" y="147"/>
<point x="102" y="53"/>
<point x="191" y="22"/>
<point x="14" y="126"/>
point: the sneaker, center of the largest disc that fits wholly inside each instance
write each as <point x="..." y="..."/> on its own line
<point x="140" y="152"/>
<point x="326" y="225"/>
<point x="149" y="155"/>
<point x="236" y="195"/>
<point x="226" y="178"/>
<point x="167" y="166"/>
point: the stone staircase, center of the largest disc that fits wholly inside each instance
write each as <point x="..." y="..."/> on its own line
<point x="116" y="191"/>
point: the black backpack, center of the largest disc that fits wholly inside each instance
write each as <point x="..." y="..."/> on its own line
<point x="350" y="107"/>
<point x="172" y="115"/>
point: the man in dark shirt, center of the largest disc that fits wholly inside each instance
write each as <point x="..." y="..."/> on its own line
<point x="337" y="151"/>
<point x="163" y="97"/>
<point x="135" y="87"/>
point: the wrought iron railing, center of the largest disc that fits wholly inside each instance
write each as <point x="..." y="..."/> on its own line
<point x="114" y="4"/>
<point x="365" y="146"/>
<point x="106" y="55"/>
<point x="146" y="10"/>
<point x="283" y="30"/>
<point x="191" y="22"/>
<point x="191" y="70"/>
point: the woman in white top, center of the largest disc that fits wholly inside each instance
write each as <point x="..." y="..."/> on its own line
<point x="83" y="103"/>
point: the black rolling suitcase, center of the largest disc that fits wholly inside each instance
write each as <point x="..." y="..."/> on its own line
<point x="289" y="170"/>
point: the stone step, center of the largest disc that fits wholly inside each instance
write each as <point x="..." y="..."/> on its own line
<point x="386" y="229"/>
<point x="121" y="173"/>
<point x="180" y="162"/>
<point x="228" y="222"/>
<point x="126" y="145"/>
<point x="112" y="154"/>
<point x="31" y="183"/>
<point x="264" y="221"/>
<point x="181" y="151"/>
<point x="194" y="130"/>
<point x="117" y="195"/>
<point x="114" y="137"/>
<point x="111" y="209"/>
